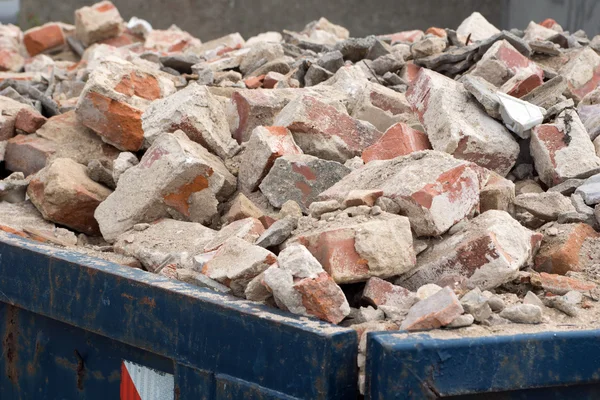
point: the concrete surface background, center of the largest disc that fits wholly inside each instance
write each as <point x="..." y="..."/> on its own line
<point x="208" y="19"/>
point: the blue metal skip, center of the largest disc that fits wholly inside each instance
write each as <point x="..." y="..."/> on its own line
<point x="549" y="365"/>
<point x="67" y="321"/>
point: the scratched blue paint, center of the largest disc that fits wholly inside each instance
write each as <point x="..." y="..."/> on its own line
<point x="548" y="365"/>
<point x="201" y="334"/>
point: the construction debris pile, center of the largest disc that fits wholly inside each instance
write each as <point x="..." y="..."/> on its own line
<point x="408" y="181"/>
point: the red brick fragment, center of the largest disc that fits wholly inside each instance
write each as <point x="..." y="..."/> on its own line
<point x="399" y="140"/>
<point x="29" y="120"/>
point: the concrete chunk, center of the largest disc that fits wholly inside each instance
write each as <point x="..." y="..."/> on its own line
<point x="436" y="311"/>
<point x="236" y="263"/>
<point x="322" y="130"/>
<point x="469" y="134"/>
<point x="433" y="189"/>
<point x="355" y="250"/>
<point x="173" y="169"/>
<point x="197" y="113"/>
<point x="265" y="145"/>
<point x="563" y="150"/>
<point x="300" y="177"/>
<point x="488" y="252"/>
<point x="163" y="238"/>
<point x="98" y="22"/>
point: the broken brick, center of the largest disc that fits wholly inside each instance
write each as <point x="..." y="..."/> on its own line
<point x="173" y="169"/>
<point x="355" y="251"/>
<point x="44" y="38"/>
<point x="64" y="194"/>
<point x="435" y="311"/>
<point x="114" y="99"/>
<point x="460" y="127"/>
<point x="383" y="293"/>
<point x="266" y="145"/>
<point x="432" y="188"/>
<point x="29" y="120"/>
<point x="98" y="22"/>
<point x="314" y="123"/>
<point x="564" y="251"/>
<point x="489" y="251"/>
<point x="399" y="140"/>
<point x="563" y="150"/>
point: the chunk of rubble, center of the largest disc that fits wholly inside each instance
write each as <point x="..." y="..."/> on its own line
<point x="563" y="150"/>
<point x="266" y="145"/>
<point x="506" y="68"/>
<point x="166" y="237"/>
<point x="241" y="207"/>
<point x="122" y="163"/>
<point x="399" y="140"/>
<point x="300" y="177"/>
<point x="236" y="263"/>
<point x="64" y="194"/>
<point x="470" y="134"/>
<point x="487" y="253"/>
<point x="497" y="194"/>
<point x="277" y="233"/>
<point x="484" y="92"/>
<point x="476" y="27"/>
<point x="23" y="219"/>
<point x="10" y="110"/>
<point x="196" y="112"/>
<point x="249" y="229"/>
<point x="589" y="190"/>
<point x="546" y="206"/>
<point x="353" y="250"/>
<point x="382" y="293"/>
<point x="98" y="22"/>
<point x="322" y="130"/>
<point x="48" y="37"/>
<point x="381" y="106"/>
<point x="114" y="99"/>
<point x="567" y="250"/>
<point x="582" y="72"/>
<point x="436" y="311"/>
<point x="173" y="169"/>
<point x="523" y="314"/>
<point x="559" y="285"/>
<point x="62" y="136"/>
<point x="538" y="32"/>
<point x="428" y="290"/>
<point x="301" y="285"/>
<point x="476" y="304"/>
<point x="547" y="94"/>
<point x="432" y="188"/>
<point x="13" y="188"/>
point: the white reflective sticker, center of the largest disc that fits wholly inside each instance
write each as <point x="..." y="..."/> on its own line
<point x="149" y="383"/>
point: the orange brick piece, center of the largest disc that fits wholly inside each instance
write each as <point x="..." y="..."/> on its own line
<point x="399" y="140"/>
<point x="563" y="253"/>
<point x="43" y="38"/>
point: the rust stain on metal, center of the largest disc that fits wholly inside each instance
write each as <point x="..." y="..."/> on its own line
<point x="31" y="366"/>
<point x="80" y="370"/>
<point x="148" y="301"/>
<point x="10" y="345"/>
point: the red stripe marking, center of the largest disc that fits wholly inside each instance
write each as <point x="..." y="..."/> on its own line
<point x="128" y="389"/>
